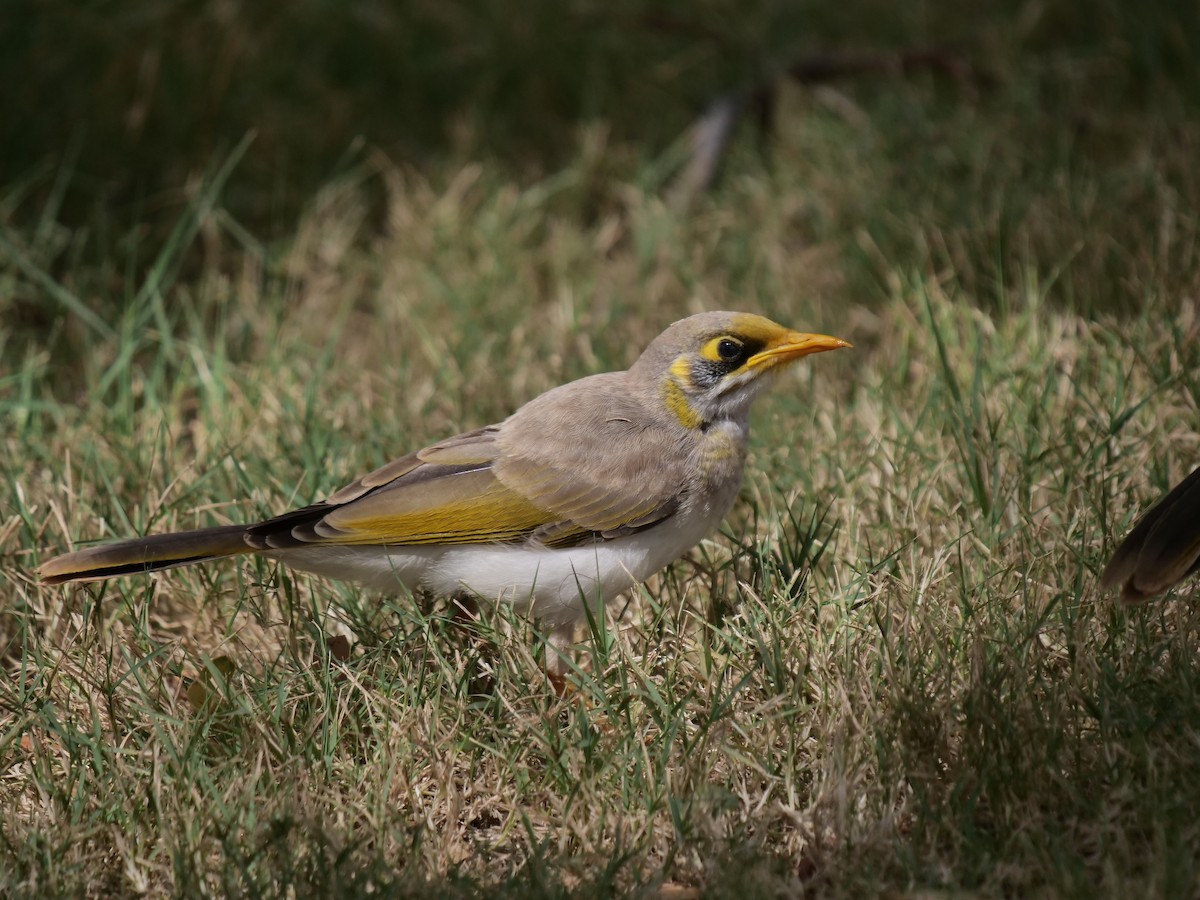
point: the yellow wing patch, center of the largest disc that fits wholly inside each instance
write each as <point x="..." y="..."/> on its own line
<point x="470" y="507"/>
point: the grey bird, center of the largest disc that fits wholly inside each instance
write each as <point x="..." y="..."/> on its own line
<point x="583" y="492"/>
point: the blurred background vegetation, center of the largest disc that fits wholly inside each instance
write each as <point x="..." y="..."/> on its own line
<point x="249" y="250"/>
<point x="115" y="112"/>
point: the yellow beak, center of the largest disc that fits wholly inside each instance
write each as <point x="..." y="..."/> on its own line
<point x="791" y="346"/>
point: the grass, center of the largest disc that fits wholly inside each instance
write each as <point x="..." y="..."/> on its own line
<point x="891" y="672"/>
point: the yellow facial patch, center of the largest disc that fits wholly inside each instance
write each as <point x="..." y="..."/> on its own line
<point x="712" y="350"/>
<point x="682" y="370"/>
<point x="677" y="402"/>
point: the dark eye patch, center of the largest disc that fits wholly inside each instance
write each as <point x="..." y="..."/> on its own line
<point x="730" y="354"/>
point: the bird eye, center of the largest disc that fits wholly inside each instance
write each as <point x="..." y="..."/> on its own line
<point x="729" y="349"/>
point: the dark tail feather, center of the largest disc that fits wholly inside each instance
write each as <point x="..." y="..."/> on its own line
<point x="146" y="554"/>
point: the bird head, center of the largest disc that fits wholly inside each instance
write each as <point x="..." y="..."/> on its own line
<point x="709" y="367"/>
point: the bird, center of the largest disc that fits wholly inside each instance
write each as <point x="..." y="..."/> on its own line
<point x="1163" y="548"/>
<point x="582" y="493"/>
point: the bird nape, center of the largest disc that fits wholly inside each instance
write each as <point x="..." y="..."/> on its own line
<point x="580" y="494"/>
<point x="1162" y="550"/>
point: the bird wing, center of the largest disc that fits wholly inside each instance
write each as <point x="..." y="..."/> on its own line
<point x="477" y="488"/>
<point x="594" y="455"/>
<point x="1163" y="548"/>
<point x="446" y="493"/>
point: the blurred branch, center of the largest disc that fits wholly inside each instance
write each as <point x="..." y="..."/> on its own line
<point x="711" y="134"/>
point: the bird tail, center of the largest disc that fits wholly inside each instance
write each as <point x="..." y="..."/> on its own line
<point x="146" y="554"/>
